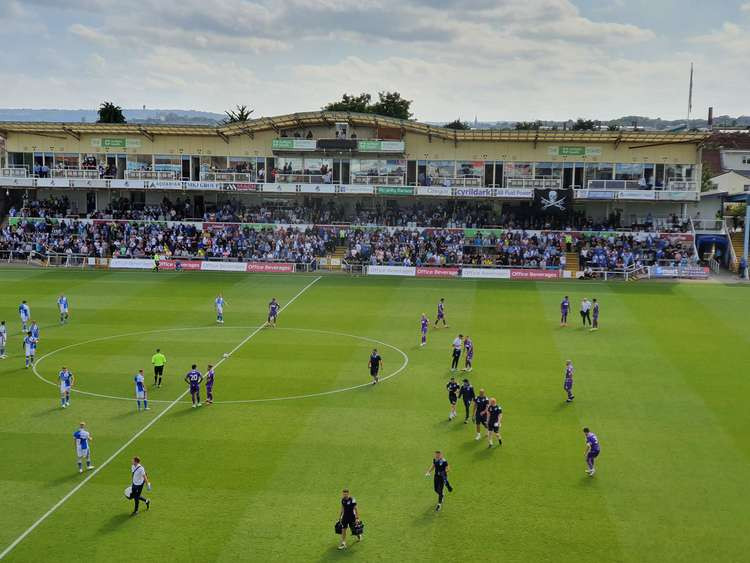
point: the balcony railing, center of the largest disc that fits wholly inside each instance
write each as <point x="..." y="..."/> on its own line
<point x="230" y="177"/>
<point x="150" y="175"/>
<point x="388" y="179"/>
<point x="673" y="185"/>
<point x="73" y="173"/>
<point x="304" y="178"/>
<point x="457" y="182"/>
<point x="534" y="183"/>
<point x="14" y="172"/>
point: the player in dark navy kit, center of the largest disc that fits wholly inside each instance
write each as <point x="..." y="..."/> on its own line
<point x="375" y="363"/>
<point x="564" y="308"/>
<point x="440" y="479"/>
<point x="349" y="516"/>
<point x="466" y="394"/>
<point x="273" y="312"/>
<point x="481" y="402"/>
<point x="193" y="379"/>
<point x="452" y="388"/>
<point x="592" y="451"/>
<point x="441" y="313"/>
<point x="595" y="313"/>
<point x="494" y="422"/>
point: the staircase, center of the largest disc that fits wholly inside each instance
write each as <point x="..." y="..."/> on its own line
<point x="738" y="243"/>
<point x="571" y="263"/>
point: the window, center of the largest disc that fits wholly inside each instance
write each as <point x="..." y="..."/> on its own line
<point x="138" y="162"/>
<point x="168" y="163"/>
<point x="470" y="169"/>
<point x="67" y="160"/>
<point x="517" y="170"/>
<point x="628" y="171"/>
<point x="241" y="163"/>
<point x="213" y="164"/>
<point x="746" y="159"/>
<point x="440" y="168"/>
<point x="548" y="170"/>
<point x="599" y="171"/>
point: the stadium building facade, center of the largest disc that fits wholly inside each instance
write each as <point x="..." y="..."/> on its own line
<point x="356" y="158"/>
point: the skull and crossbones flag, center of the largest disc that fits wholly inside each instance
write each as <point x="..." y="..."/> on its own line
<point x="555" y="201"/>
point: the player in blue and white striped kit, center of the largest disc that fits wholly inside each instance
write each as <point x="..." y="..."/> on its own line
<point x="62" y="304"/>
<point x="25" y="312"/>
<point x="66" y="379"/>
<point x="29" y="347"/>
<point x="3" y="339"/>
<point x="140" y="390"/>
<point x="34" y="330"/>
<point x="82" y="439"/>
<point x="219" y="302"/>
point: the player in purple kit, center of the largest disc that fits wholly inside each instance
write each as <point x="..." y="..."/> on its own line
<point x="210" y="384"/>
<point x="595" y="315"/>
<point x="592" y="451"/>
<point x="564" y="308"/>
<point x="568" y="384"/>
<point x="469" y="353"/>
<point x="194" y="378"/>
<point x="273" y="312"/>
<point x="441" y="313"/>
<point x="424" y="323"/>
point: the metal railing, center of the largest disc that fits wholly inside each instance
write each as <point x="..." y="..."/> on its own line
<point x="304" y="178"/>
<point x="453" y="182"/>
<point x="74" y="173"/>
<point x="151" y="175"/>
<point x="14" y="171"/>
<point x="387" y="179"/>
<point x="534" y="183"/>
<point x="229" y="177"/>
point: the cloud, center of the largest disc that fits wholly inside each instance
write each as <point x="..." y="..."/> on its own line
<point x="745" y="8"/>
<point x="92" y="35"/>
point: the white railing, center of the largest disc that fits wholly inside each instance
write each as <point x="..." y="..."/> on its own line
<point x="615" y="185"/>
<point x="150" y="175"/>
<point x="712" y="225"/>
<point x="304" y="178"/>
<point x="229" y="177"/>
<point x="73" y="173"/>
<point x="388" y="179"/>
<point x="17" y="171"/>
<point x="534" y="183"/>
<point x="680" y="185"/>
<point x="455" y="182"/>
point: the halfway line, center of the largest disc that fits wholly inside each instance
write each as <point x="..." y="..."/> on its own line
<point x="135" y="436"/>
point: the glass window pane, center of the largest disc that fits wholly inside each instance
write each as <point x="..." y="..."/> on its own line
<point x="518" y="170"/>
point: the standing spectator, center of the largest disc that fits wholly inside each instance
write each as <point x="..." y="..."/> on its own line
<point x="585" y="311"/>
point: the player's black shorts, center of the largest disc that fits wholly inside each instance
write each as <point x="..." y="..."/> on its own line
<point x="348" y="522"/>
<point x="374" y="372"/>
<point x="452" y="398"/>
<point x="480" y="420"/>
<point x="494" y="427"/>
<point x="158" y="370"/>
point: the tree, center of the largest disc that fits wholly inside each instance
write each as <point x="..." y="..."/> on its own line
<point x="585" y="125"/>
<point x="706" y="175"/>
<point x="528" y="125"/>
<point x="356" y="104"/>
<point x="458" y="125"/>
<point x="391" y="104"/>
<point x="238" y="115"/>
<point x="110" y="113"/>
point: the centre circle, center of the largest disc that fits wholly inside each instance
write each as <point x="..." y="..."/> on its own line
<point x="324" y="334"/>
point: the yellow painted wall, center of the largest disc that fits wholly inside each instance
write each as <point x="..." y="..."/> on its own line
<point x="418" y="147"/>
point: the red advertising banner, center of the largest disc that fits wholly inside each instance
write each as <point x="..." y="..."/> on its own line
<point x="270" y="267"/>
<point x="534" y="274"/>
<point x="677" y="237"/>
<point x="437" y="272"/>
<point x="184" y="264"/>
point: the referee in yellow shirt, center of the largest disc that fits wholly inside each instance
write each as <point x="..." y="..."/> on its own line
<point x="158" y="360"/>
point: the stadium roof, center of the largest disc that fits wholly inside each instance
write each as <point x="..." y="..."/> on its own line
<point x="317" y="118"/>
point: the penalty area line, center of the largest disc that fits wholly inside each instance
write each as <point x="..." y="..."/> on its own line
<point x="137" y="435"/>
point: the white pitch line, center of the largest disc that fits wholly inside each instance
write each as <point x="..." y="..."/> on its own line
<point x="135" y="436"/>
<point x="236" y="401"/>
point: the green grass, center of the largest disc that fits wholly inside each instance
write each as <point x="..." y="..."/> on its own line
<point x="664" y="384"/>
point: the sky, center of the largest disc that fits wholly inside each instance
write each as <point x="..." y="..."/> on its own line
<point x="494" y="59"/>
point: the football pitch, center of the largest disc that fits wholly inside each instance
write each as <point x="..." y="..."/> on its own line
<point x="258" y="475"/>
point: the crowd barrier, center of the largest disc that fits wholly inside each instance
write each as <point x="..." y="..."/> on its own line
<point x="203" y="265"/>
<point x="474" y="273"/>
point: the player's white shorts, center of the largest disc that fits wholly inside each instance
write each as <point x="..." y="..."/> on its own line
<point x="219" y="311"/>
<point x="140" y="394"/>
<point x="64" y="388"/>
<point x="24" y="318"/>
<point x="29" y="351"/>
<point x="82" y="452"/>
<point x="63" y="309"/>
